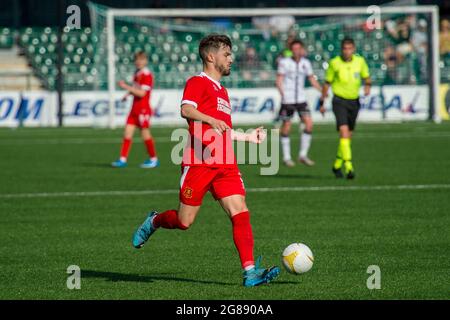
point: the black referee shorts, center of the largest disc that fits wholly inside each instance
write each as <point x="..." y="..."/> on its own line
<point x="287" y="110"/>
<point x="345" y="111"/>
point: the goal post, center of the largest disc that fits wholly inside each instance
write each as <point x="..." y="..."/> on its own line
<point x="112" y="15"/>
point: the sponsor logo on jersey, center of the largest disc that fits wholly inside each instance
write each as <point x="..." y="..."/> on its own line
<point x="223" y="105"/>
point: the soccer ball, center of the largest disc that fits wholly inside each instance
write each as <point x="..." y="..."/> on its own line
<point x="297" y="258"/>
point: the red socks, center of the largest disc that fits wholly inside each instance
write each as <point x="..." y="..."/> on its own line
<point x="243" y="238"/>
<point x="168" y="220"/>
<point x="150" y="148"/>
<point x="242" y="232"/>
<point x="126" y="145"/>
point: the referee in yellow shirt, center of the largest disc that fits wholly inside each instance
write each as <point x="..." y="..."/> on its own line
<point x="345" y="74"/>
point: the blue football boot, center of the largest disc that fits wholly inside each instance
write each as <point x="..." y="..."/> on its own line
<point x="119" y="164"/>
<point x="150" y="164"/>
<point x="144" y="232"/>
<point x="256" y="276"/>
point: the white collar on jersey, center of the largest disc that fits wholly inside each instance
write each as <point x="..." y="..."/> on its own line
<point x="215" y="81"/>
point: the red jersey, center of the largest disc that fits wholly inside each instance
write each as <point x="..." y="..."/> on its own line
<point x="206" y="147"/>
<point x="142" y="79"/>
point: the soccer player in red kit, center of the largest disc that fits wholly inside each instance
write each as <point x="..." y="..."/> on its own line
<point x="209" y="163"/>
<point x="140" y="113"/>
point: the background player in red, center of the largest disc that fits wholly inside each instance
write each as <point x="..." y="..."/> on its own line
<point x="140" y="113"/>
<point x="209" y="163"/>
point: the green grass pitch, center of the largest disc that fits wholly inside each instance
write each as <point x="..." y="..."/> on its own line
<point x="405" y="231"/>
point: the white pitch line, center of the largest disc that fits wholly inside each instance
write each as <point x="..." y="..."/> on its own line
<point x="53" y="141"/>
<point x="174" y="191"/>
<point x="353" y="188"/>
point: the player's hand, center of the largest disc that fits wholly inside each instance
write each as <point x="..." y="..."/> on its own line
<point x="122" y="84"/>
<point x="258" y="135"/>
<point x="218" y="125"/>
<point x="322" y="110"/>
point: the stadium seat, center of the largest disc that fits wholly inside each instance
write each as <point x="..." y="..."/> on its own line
<point x="173" y="54"/>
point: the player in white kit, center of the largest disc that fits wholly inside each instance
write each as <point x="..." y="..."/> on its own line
<point x="291" y="75"/>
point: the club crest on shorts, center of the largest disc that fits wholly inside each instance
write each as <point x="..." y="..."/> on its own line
<point x="187" y="193"/>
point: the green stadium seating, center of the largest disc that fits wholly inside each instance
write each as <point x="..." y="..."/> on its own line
<point x="173" y="55"/>
<point x="6" y="38"/>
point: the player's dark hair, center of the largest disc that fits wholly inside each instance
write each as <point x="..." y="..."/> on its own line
<point x="347" y="40"/>
<point x="140" y="54"/>
<point x="296" y="41"/>
<point x="212" y="42"/>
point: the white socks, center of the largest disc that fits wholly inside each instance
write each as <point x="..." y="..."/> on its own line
<point x="249" y="267"/>
<point x="305" y="143"/>
<point x="286" y="148"/>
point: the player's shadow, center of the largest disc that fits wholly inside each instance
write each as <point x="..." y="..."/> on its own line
<point x="96" y="165"/>
<point x="127" y="277"/>
<point x="278" y="282"/>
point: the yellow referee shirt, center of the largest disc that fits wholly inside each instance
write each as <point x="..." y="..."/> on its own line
<point x="345" y="76"/>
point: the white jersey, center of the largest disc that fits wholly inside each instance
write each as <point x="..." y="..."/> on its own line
<point x="294" y="75"/>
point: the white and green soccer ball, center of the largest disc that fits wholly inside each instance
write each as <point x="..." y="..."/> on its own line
<point x="298" y="258"/>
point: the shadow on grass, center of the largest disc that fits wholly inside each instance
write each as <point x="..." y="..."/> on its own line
<point x="126" y="277"/>
<point x="276" y="282"/>
<point x="97" y="165"/>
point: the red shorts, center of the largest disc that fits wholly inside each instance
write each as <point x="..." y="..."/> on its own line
<point x="221" y="182"/>
<point x="141" y="119"/>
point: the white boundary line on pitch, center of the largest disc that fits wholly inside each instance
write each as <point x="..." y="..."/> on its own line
<point x="52" y="141"/>
<point x="250" y="190"/>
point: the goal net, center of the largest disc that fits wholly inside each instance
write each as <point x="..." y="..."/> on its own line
<point x="399" y="44"/>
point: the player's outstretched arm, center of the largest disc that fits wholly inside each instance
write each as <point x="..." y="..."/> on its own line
<point x="367" y="85"/>
<point x="279" y="83"/>
<point x="188" y="111"/>
<point x="137" y="92"/>
<point x="325" y="88"/>
<point x="258" y="135"/>
<point x="312" y="79"/>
